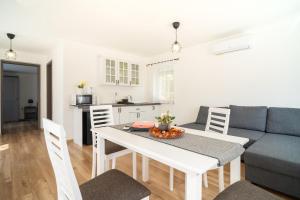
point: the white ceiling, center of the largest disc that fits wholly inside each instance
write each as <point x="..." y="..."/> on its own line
<point x="138" y="26"/>
<point x="19" y="68"/>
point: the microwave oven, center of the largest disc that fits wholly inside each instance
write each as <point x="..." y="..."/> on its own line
<point x="84" y="99"/>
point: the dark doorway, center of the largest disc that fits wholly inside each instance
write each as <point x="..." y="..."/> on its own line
<point x="49" y="90"/>
<point x="20" y="96"/>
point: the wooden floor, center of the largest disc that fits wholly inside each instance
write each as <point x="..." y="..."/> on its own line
<point x="26" y="172"/>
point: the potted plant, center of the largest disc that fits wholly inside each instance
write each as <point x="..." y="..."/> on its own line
<point x="82" y="84"/>
<point x="165" y="121"/>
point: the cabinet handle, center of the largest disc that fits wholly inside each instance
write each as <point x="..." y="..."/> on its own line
<point x="153" y="107"/>
<point x="120" y="110"/>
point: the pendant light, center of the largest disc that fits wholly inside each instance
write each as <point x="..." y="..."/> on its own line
<point x="176" y="46"/>
<point x="10" y="54"/>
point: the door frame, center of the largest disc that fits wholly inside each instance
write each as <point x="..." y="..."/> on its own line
<point x="38" y="66"/>
<point x="49" y="76"/>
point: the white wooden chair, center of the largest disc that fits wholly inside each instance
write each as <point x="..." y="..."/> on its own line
<point x="103" y="116"/>
<point x="217" y="121"/>
<point x="111" y="185"/>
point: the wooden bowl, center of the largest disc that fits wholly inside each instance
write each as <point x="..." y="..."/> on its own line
<point x="170" y="134"/>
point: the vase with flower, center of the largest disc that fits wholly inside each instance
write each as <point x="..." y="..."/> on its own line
<point x="165" y="120"/>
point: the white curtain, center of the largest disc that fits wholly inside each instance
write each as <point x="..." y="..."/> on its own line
<point x="163" y="82"/>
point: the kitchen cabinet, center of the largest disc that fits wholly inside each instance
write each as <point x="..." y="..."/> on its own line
<point x="121" y="73"/>
<point x="129" y="114"/>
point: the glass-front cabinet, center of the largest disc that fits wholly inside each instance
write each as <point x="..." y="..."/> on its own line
<point x="119" y="72"/>
<point x="135" y="78"/>
<point x="110" y="72"/>
<point x="123" y="73"/>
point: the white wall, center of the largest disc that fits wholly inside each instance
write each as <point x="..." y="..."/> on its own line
<point x="80" y="62"/>
<point x="267" y="74"/>
<point x="28" y="88"/>
<point x="34" y="59"/>
<point x="57" y="84"/>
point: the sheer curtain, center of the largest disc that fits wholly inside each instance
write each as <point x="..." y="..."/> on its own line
<point x="163" y="83"/>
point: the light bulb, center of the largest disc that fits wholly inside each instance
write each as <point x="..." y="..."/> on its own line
<point x="10" y="55"/>
<point x="176" y="47"/>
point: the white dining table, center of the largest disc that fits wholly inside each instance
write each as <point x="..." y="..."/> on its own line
<point x="192" y="164"/>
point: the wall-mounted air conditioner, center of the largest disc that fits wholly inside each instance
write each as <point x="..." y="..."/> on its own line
<point x="231" y="45"/>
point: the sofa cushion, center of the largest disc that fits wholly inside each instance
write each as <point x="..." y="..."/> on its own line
<point x="248" y="117"/>
<point x="194" y="126"/>
<point x="253" y="136"/>
<point x="284" y="121"/>
<point x="202" y="115"/>
<point x="276" y="153"/>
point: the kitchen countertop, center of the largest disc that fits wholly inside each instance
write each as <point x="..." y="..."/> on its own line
<point x="86" y="107"/>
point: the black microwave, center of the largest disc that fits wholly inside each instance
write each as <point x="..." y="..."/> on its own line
<point x="85" y="99"/>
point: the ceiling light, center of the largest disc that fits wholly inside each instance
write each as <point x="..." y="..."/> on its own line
<point x="176" y="46"/>
<point x="10" y="54"/>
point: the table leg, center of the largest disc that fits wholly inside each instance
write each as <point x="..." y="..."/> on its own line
<point x="235" y="170"/>
<point x="101" y="156"/>
<point x="134" y="165"/>
<point x="145" y="166"/>
<point x="193" y="186"/>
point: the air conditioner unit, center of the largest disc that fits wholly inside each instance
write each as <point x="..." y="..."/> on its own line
<point x="231" y="45"/>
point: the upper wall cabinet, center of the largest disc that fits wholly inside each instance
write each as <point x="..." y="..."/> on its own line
<point x="135" y="77"/>
<point x="110" y="72"/>
<point x="122" y="73"/>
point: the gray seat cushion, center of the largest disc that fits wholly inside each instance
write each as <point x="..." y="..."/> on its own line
<point x="248" y="117"/>
<point x="194" y="126"/>
<point x="111" y="147"/>
<point x="284" y="121"/>
<point x="253" y="136"/>
<point x="202" y="115"/>
<point x="275" y="153"/>
<point x="113" y="185"/>
<point x="244" y="190"/>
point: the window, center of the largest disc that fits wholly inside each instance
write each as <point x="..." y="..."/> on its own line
<point x="163" y="84"/>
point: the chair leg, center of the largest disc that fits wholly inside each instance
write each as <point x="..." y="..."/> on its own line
<point x="221" y="178"/>
<point x="106" y="164"/>
<point x="113" y="165"/>
<point x="134" y="165"/>
<point x="205" y="181"/>
<point x="171" y="179"/>
<point x="146" y="198"/>
<point x="94" y="165"/>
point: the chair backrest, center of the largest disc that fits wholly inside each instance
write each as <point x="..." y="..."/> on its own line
<point x="218" y="120"/>
<point x="55" y="136"/>
<point x="101" y="116"/>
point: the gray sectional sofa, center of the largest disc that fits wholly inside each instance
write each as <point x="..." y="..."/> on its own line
<point x="272" y="156"/>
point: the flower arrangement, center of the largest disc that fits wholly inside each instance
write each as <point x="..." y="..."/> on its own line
<point x="165" y="120"/>
<point x="82" y="84"/>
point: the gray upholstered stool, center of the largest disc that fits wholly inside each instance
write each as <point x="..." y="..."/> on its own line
<point x="244" y="190"/>
<point x="113" y="185"/>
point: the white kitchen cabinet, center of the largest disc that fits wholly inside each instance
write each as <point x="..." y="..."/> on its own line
<point x="110" y="72"/>
<point x="129" y="114"/>
<point x="123" y="75"/>
<point x="120" y="72"/>
<point x="134" y="74"/>
<point x="116" y="114"/>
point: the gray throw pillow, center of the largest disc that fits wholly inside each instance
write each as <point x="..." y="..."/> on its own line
<point x="248" y="117"/>
<point x="284" y="121"/>
<point x="202" y="115"/>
